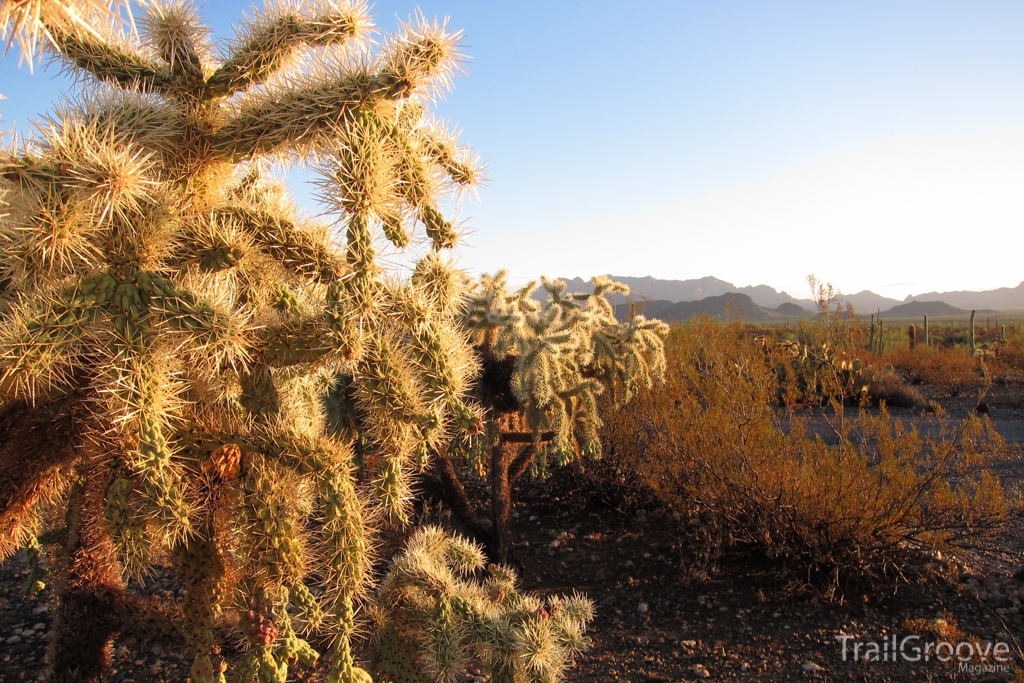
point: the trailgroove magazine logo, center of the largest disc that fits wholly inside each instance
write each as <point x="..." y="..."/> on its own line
<point x="972" y="657"/>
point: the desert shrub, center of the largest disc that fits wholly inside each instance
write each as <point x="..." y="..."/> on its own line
<point x="1010" y="353"/>
<point x="711" y="447"/>
<point x="882" y="385"/>
<point x="952" y="370"/>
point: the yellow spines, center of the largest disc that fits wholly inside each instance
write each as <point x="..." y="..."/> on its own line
<point x="362" y="171"/>
<point x="423" y="57"/>
<point x="305" y="249"/>
<point x="174" y="32"/>
<point x="27" y="20"/>
<point x="359" y="243"/>
<point x="267" y="41"/>
<point x="108" y="60"/>
<point x="389" y="390"/>
<point x="259" y="392"/>
<point x="214" y="337"/>
<point x="439" y="282"/>
<point x="309" y="341"/>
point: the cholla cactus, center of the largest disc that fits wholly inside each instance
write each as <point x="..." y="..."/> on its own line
<point x="543" y="365"/>
<point x="170" y="323"/>
<point x="431" y="615"/>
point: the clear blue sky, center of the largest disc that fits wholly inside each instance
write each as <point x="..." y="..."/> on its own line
<point x="879" y="145"/>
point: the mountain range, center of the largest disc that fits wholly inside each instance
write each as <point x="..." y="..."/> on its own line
<point x="679" y="299"/>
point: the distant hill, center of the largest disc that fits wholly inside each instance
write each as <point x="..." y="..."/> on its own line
<point x="1002" y="299"/>
<point x="731" y="306"/>
<point x="916" y="309"/>
<point x="866" y="302"/>
<point x="792" y="310"/>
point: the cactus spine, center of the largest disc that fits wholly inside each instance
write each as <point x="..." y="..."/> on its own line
<point x="170" y="322"/>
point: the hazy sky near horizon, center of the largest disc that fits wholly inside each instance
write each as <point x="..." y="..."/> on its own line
<point x="878" y="145"/>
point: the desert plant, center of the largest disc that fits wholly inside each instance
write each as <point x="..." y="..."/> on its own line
<point x="952" y="370"/>
<point x="820" y="366"/>
<point x="542" y="366"/>
<point x="431" y="615"/>
<point x="711" y="447"/>
<point x="25" y="21"/>
<point x="883" y="385"/>
<point x="970" y="338"/>
<point x="170" y="323"/>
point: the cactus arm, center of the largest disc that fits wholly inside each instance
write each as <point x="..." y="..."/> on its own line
<point x="268" y="42"/>
<point x="416" y="184"/>
<point x="37" y="343"/>
<point x="349" y="556"/>
<point x="458" y="162"/>
<point x="294" y="118"/>
<point x="308" y="253"/>
<point x="108" y="61"/>
<point x="297" y="116"/>
<point x="217" y="336"/>
<point x="272" y="544"/>
<point x="159" y="476"/>
<point x="305" y="342"/>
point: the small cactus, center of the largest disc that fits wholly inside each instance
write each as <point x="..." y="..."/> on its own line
<point x="544" y="363"/>
<point x="437" y="608"/>
<point x="927" y="338"/>
<point x="912" y="336"/>
<point x="970" y="334"/>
